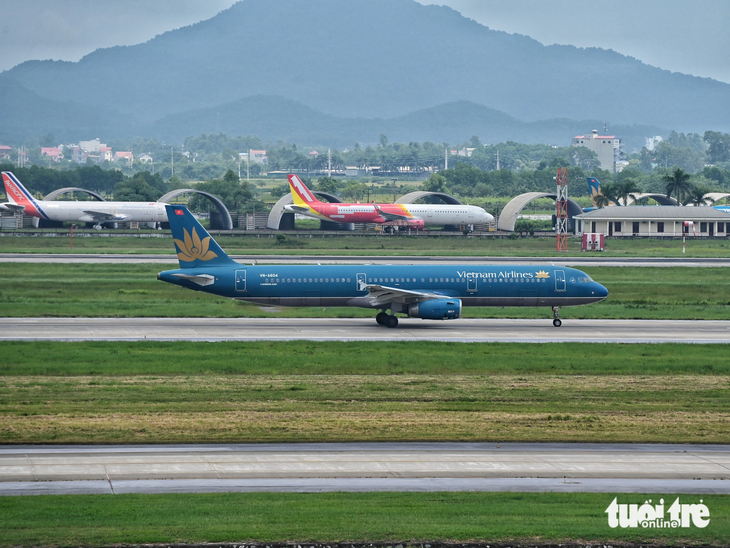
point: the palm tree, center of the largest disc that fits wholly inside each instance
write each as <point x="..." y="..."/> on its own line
<point x="608" y="195"/>
<point x="696" y="196"/>
<point x="678" y="184"/>
<point x="628" y="189"/>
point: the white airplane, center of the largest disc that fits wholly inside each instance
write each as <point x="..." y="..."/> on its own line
<point x="411" y="215"/>
<point x="20" y="200"/>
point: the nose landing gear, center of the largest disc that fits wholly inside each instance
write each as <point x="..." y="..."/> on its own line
<point x="556" y="319"/>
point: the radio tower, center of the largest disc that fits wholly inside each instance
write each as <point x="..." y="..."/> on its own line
<point x="561" y="206"/>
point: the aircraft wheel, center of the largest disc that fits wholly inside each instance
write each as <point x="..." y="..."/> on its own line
<point x="391" y="321"/>
<point x="381" y="317"/>
<point x="557" y="322"/>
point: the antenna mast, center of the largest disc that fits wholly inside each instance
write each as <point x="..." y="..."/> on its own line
<point x="561" y="209"/>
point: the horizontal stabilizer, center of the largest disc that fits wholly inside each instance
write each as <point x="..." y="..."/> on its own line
<point x="9" y="206"/>
<point x="200" y="279"/>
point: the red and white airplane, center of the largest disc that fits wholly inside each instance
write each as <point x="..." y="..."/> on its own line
<point x="410" y="215"/>
<point x="20" y="200"/>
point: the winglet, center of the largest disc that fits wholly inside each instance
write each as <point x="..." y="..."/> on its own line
<point x="195" y="247"/>
<point x="300" y="193"/>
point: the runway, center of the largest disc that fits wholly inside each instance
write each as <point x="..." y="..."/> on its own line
<point x="362" y="329"/>
<point x="582" y="261"/>
<point x="309" y="467"/>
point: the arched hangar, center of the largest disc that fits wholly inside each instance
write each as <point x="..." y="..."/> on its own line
<point x="513" y="208"/>
<point x="411" y="197"/>
<point x="220" y="219"/>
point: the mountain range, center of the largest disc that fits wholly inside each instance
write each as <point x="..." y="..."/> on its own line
<point x="332" y="72"/>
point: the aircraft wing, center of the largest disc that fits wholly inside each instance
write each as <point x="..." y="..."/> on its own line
<point x="91" y="216"/>
<point x="391" y="216"/>
<point x="381" y="294"/>
<point x="293" y="208"/>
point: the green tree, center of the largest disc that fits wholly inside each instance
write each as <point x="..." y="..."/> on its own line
<point x="718" y="146"/>
<point x="135" y="189"/>
<point x="677" y="183"/>
<point x="696" y="195"/>
<point x="609" y="194"/>
<point x="627" y="189"/>
<point x="435" y="183"/>
<point x="330" y="185"/>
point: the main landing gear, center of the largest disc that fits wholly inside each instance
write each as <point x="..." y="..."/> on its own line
<point x="388" y="320"/>
<point x="556" y="319"/>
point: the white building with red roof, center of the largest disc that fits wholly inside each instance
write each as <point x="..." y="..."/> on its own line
<point x="608" y="148"/>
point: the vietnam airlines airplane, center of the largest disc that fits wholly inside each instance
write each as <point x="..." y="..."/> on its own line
<point x="20" y="200"/>
<point x="429" y="292"/>
<point x="410" y="215"/>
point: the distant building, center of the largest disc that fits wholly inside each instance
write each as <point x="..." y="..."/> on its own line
<point x="313" y="154"/>
<point x="79" y="155"/>
<point x="653" y="221"/>
<point x="92" y="147"/>
<point x="105" y="154"/>
<point x="607" y="147"/>
<point x="54" y="153"/>
<point x="5" y="152"/>
<point x="127" y="156"/>
<point x="146" y="159"/>
<point x="255" y="156"/>
<point x="652" y="142"/>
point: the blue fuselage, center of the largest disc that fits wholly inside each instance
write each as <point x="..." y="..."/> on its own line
<point x="341" y="285"/>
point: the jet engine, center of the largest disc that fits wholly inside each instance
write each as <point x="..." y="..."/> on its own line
<point x="436" y="309"/>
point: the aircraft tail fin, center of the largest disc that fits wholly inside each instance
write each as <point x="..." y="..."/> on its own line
<point x="195" y="247"/>
<point x="300" y="193"/>
<point x="595" y="188"/>
<point x="19" y="195"/>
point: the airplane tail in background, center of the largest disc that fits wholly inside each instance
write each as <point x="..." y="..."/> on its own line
<point x="19" y="196"/>
<point x="300" y="193"/>
<point x="595" y="188"/>
<point x="194" y="245"/>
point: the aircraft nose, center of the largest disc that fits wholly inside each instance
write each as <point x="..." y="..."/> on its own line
<point x="600" y="291"/>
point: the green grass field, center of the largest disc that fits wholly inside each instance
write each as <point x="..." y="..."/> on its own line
<point x="94" y="392"/>
<point x="98" y="392"/>
<point x="132" y="290"/>
<point x="125" y="290"/>
<point x="306" y="243"/>
<point x="524" y="518"/>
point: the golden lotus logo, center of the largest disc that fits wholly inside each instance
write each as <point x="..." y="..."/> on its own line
<point x="193" y="248"/>
<point x="542" y="274"/>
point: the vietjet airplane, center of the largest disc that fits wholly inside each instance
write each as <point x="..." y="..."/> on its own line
<point x="20" y="200"/>
<point x="429" y="292"/>
<point x="411" y="215"/>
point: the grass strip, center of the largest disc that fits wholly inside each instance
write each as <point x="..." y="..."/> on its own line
<point x="124" y="290"/>
<point x="306" y="243"/>
<point x="357" y="358"/>
<point x="106" y="520"/>
<point x="328" y="408"/>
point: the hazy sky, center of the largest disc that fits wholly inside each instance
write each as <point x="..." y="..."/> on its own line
<point x="690" y="36"/>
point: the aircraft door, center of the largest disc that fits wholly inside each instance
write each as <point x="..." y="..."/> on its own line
<point x="361" y="280"/>
<point x="560" y="280"/>
<point x="471" y="285"/>
<point x="240" y="280"/>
